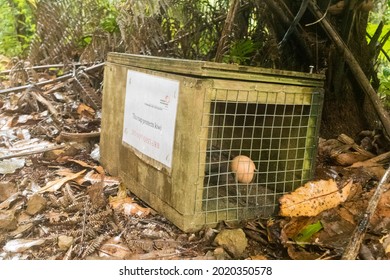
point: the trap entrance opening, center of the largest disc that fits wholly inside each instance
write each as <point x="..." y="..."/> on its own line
<point x="274" y="137"/>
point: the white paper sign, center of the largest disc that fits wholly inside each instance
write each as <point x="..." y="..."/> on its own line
<point x="150" y="115"/>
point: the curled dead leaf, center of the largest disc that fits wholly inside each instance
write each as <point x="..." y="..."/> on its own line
<point x="93" y="177"/>
<point x="20" y="245"/>
<point x="85" y="111"/>
<point x="133" y="209"/>
<point x="313" y="198"/>
<point x="117" y="201"/>
<point x="98" y="168"/>
<point x="114" y="248"/>
<point x="53" y="186"/>
<point x="55" y="217"/>
<point x="123" y="202"/>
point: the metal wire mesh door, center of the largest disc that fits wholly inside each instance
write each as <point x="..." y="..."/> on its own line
<point x="277" y="131"/>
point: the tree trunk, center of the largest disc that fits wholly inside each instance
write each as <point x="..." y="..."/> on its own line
<point x="233" y="8"/>
<point x="346" y="107"/>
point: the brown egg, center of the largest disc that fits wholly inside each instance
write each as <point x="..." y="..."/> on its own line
<point x="243" y="168"/>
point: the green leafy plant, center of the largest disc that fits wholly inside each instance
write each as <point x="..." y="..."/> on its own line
<point x="241" y="52"/>
<point x="108" y="22"/>
<point x="380" y="17"/>
<point x="17" y="26"/>
<point x="384" y="88"/>
<point x="307" y="232"/>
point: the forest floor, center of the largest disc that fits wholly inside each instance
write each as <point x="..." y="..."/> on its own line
<point x="58" y="202"/>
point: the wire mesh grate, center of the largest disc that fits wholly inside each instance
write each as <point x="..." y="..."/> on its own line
<point x="276" y="130"/>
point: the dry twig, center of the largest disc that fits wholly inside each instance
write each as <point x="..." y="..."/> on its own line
<point x="352" y="249"/>
<point x="78" y="137"/>
<point x="349" y="141"/>
<point x="23" y="154"/>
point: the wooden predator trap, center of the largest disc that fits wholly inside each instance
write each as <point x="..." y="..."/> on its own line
<point x="171" y="129"/>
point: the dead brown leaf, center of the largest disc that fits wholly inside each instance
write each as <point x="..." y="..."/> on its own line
<point x="94" y="178"/>
<point x="313" y="198"/>
<point x="114" y="248"/>
<point x="96" y="195"/>
<point x="346" y="215"/>
<point x="85" y="111"/>
<point x="117" y="202"/>
<point x="133" y="209"/>
<point x="107" y="180"/>
<point x="298" y="253"/>
<point x="21" y="245"/>
<point x="126" y="204"/>
<point x="80" y="162"/>
<point x="98" y="168"/>
<point x="295" y="225"/>
<point x="337" y="230"/>
<point x="53" y="186"/>
<point x="6" y="203"/>
<point x="382" y="211"/>
<point x="258" y="257"/>
<point x="55" y="217"/>
<point x="371" y="167"/>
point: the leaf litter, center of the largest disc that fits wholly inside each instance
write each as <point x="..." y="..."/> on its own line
<point x="58" y="202"/>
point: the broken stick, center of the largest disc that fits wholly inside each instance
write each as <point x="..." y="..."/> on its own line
<point x="78" y="137"/>
<point x="353" y="247"/>
<point x="378" y="160"/>
<point x="28" y="153"/>
<point x="349" y="141"/>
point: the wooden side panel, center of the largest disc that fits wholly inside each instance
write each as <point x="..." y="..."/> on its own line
<point x="112" y="117"/>
<point x="171" y="192"/>
<point x="215" y="70"/>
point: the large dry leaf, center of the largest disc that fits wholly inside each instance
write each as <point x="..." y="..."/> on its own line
<point x="95" y="178"/>
<point x="126" y="204"/>
<point x="295" y="225"/>
<point x="100" y="178"/>
<point x="6" y="203"/>
<point x="313" y="198"/>
<point x="9" y="166"/>
<point x="55" y="217"/>
<point x="114" y="248"/>
<point x="86" y="165"/>
<point x="85" y="111"/>
<point x="121" y="198"/>
<point x="20" y="245"/>
<point x="53" y="186"/>
<point x="299" y="253"/>
<point x="118" y="202"/>
<point x="133" y="209"/>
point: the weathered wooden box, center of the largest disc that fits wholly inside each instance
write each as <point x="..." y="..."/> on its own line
<point x="171" y="127"/>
